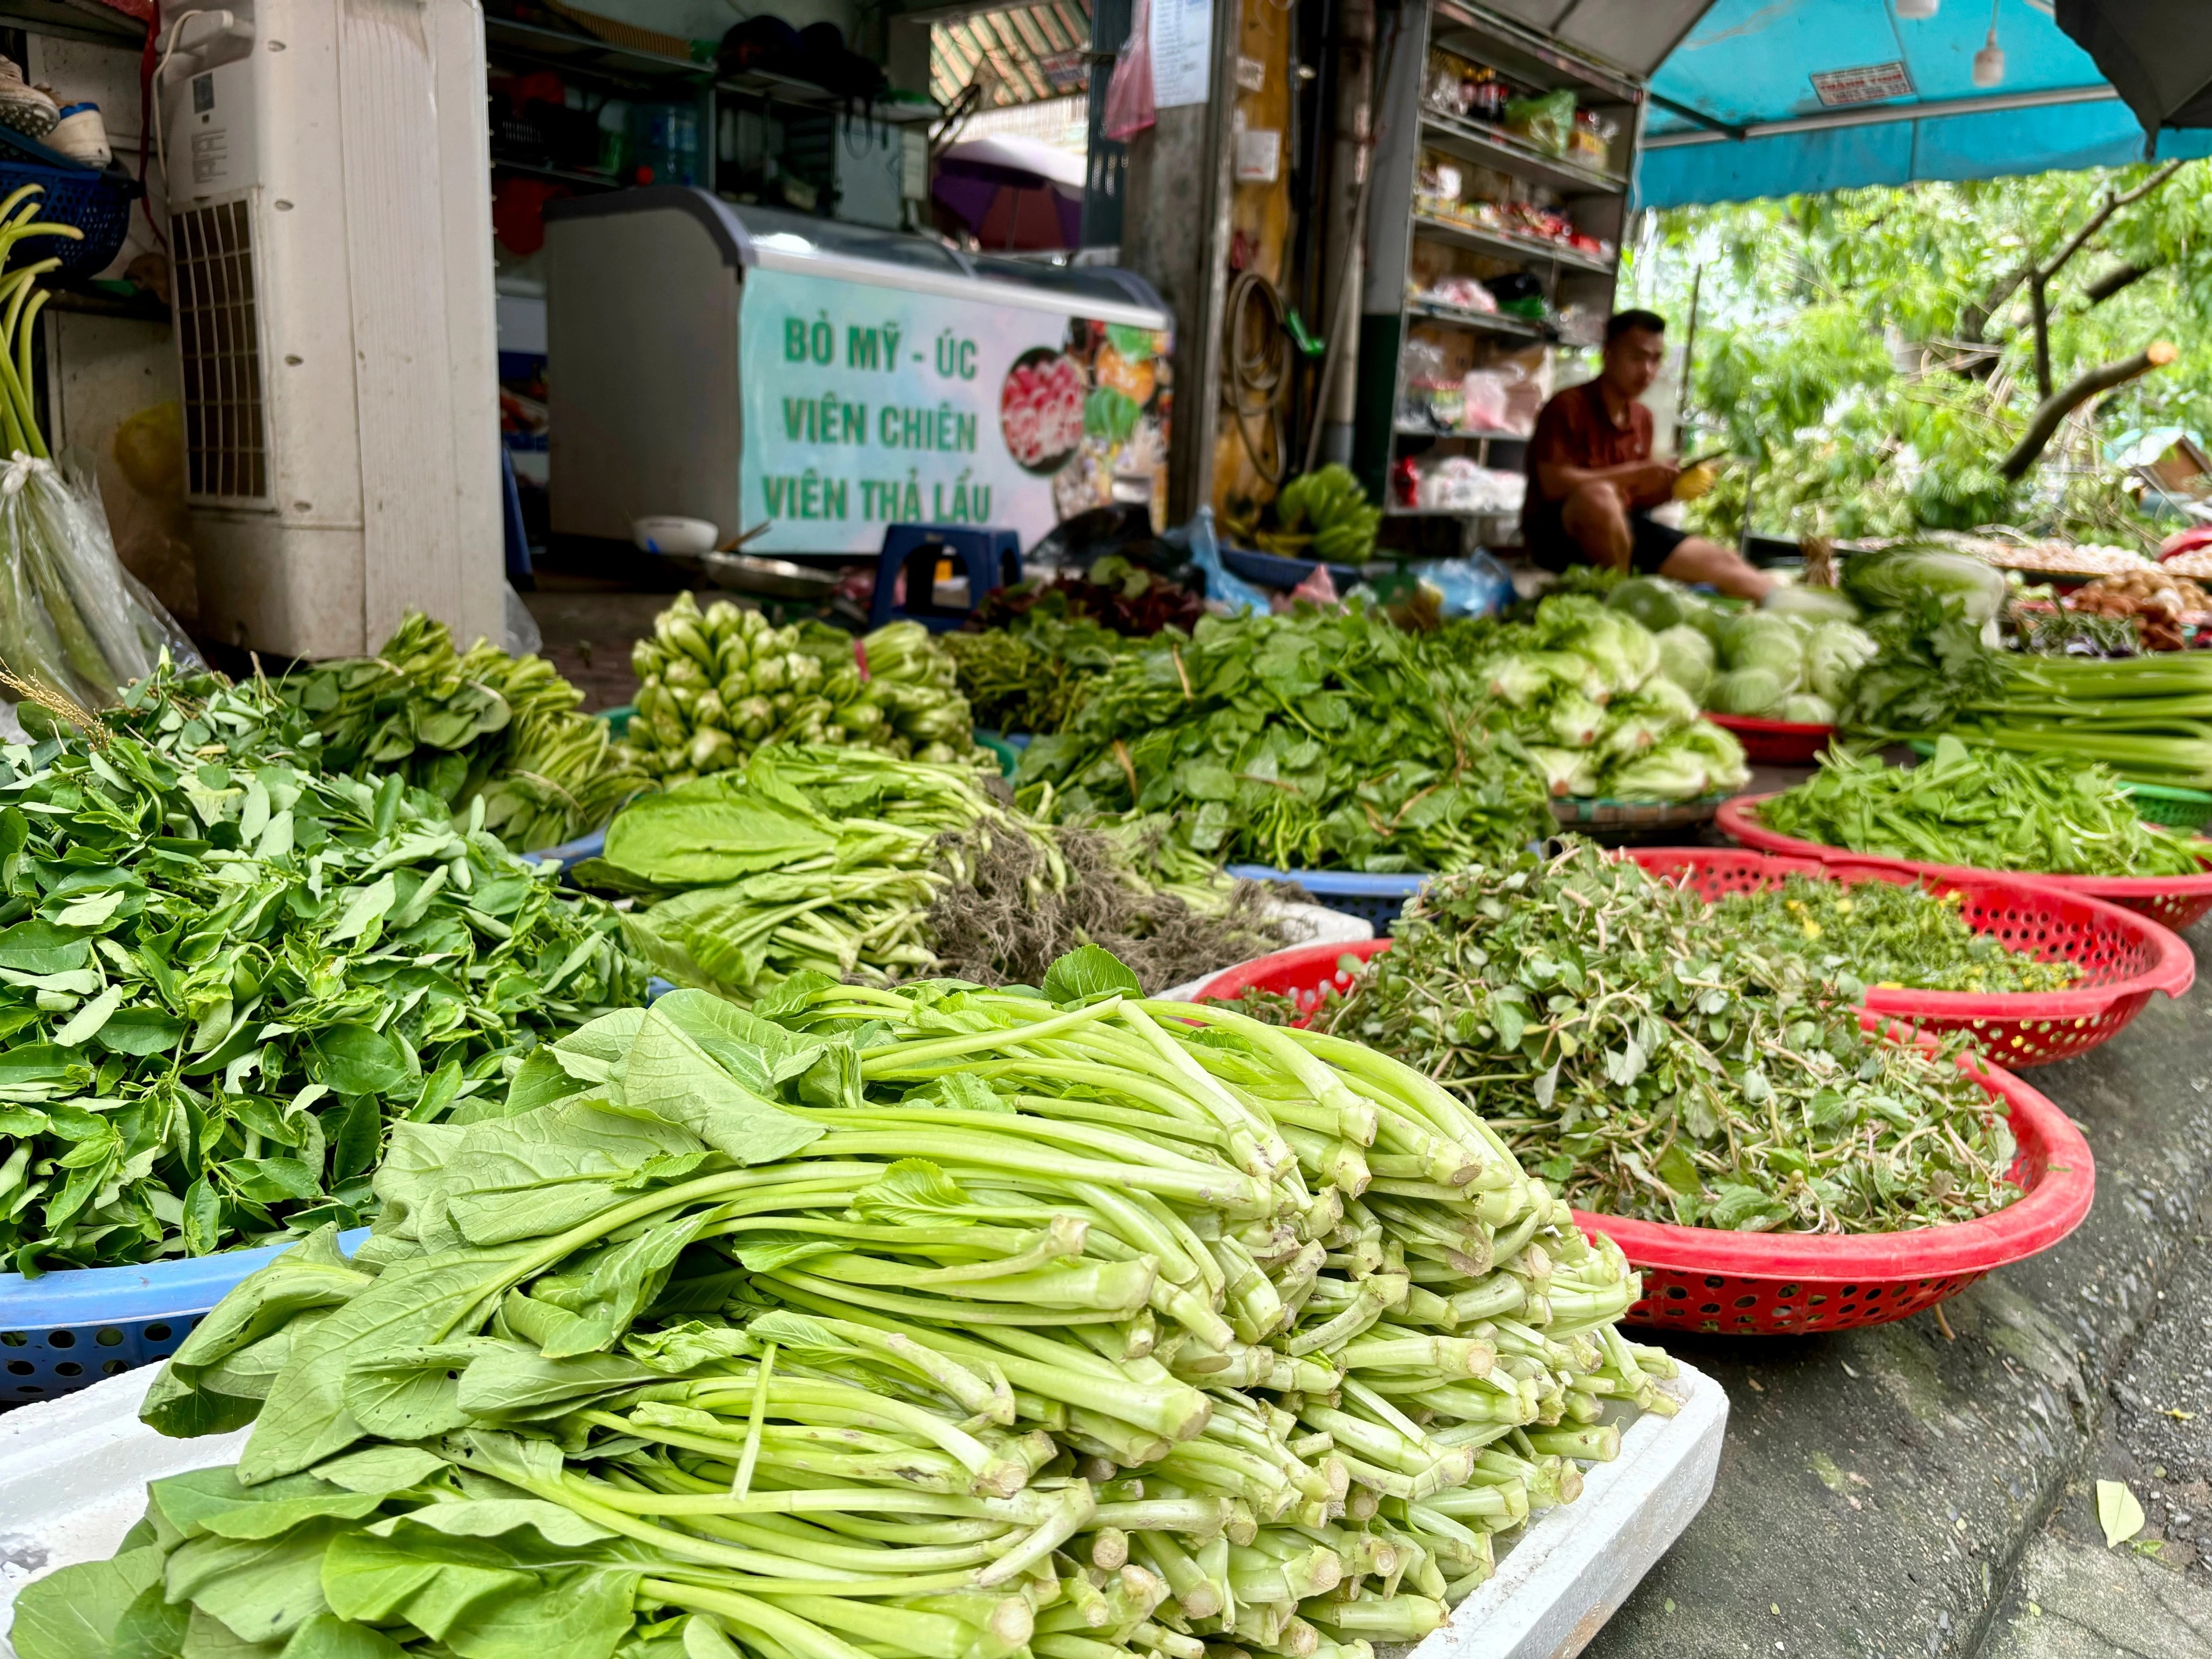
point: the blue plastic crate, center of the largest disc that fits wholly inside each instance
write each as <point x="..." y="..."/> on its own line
<point x="68" y="1329"/>
<point x="575" y="851"/>
<point x="1376" y="899"/>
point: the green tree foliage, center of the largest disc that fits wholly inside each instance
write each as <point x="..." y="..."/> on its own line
<point x="1871" y="353"/>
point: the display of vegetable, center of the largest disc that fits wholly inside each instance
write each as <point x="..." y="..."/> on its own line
<point x="465" y="724"/>
<point x="1312" y="740"/>
<point x="227" y="976"/>
<point x="1324" y="514"/>
<point x="942" y="1323"/>
<point x="2148" y="718"/>
<point x="1879" y="934"/>
<point x="1795" y="658"/>
<point x="1588" y="695"/>
<point x="1122" y="595"/>
<point x="1985" y="808"/>
<point x="73" y="621"/>
<point x="1031" y="675"/>
<point x="716" y="684"/>
<point x="1660" y="1063"/>
<point x="871" y="868"/>
<point x="1898" y="578"/>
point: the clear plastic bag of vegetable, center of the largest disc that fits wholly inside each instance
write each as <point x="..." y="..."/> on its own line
<point x="72" y="619"/>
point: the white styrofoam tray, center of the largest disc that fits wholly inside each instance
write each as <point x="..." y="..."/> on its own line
<point x="73" y="1475"/>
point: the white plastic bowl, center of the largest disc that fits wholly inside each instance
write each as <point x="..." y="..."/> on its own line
<point x="662" y="534"/>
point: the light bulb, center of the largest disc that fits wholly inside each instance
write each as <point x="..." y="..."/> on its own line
<point x="1916" y="11"/>
<point x="1988" y="63"/>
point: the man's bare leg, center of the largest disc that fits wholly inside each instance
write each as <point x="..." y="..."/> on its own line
<point x="1593" y="515"/>
<point x="1698" y="560"/>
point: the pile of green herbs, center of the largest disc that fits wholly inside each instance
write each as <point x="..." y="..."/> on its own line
<point x="1662" y="1066"/>
<point x="1989" y="808"/>
<point x="1313" y="740"/>
<point x="939" y="1323"/>
<point x="1032" y="675"/>
<point x="857" y="863"/>
<point x="224" y="975"/>
<point x="465" y="724"/>
<point x="1879" y="934"/>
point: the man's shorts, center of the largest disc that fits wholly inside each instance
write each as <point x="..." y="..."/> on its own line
<point x="1651" y="545"/>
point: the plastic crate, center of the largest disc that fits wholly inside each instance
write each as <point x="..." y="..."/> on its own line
<point x="2177" y="809"/>
<point x="2176" y="901"/>
<point x="1374" y="899"/>
<point x="66" y="1330"/>
<point x="2124" y="956"/>
<point x="1705" y="1279"/>
<point x="97" y="204"/>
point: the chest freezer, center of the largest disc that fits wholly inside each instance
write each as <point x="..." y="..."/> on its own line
<point x="754" y="368"/>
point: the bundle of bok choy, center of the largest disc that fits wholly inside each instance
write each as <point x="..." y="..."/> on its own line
<point x="945" y="1322"/>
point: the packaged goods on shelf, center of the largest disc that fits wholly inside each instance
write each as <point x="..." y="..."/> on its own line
<point x="1458" y="483"/>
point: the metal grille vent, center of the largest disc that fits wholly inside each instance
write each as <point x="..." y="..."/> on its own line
<point x="219" y="341"/>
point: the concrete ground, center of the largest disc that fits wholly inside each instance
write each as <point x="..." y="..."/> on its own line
<point x="1928" y="1486"/>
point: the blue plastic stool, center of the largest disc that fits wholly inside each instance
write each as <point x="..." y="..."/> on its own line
<point x="992" y="558"/>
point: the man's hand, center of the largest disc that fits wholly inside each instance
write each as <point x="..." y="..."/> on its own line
<point x="1650" y="483"/>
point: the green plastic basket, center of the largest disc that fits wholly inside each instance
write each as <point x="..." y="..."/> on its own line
<point x="617" y="718"/>
<point x="2177" y="809"/>
<point x="1009" y="758"/>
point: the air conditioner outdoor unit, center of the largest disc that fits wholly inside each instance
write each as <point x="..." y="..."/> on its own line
<point x="330" y="245"/>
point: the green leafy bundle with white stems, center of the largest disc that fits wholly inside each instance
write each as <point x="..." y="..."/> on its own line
<point x="717" y="683"/>
<point x="941" y="1322"/>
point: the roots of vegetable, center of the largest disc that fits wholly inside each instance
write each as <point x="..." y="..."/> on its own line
<point x="1008" y="927"/>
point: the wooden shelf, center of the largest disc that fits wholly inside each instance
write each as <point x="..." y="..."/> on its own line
<point x="1498" y="150"/>
<point x="1501" y="244"/>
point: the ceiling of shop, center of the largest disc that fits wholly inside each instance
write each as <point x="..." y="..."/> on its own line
<point x="1025" y="54"/>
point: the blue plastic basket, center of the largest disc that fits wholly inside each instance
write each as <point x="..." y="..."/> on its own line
<point x="1376" y="899"/>
<point x="67" y="1330"/>
<point x="575" y="851"/>
<point x="97" y="204"/>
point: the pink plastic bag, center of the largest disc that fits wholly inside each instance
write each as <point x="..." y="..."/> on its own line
<point x="1129" y="108"/>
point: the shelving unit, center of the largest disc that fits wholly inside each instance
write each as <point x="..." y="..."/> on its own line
<point x="607" y="69"/>
<point x="1407" y="245"/>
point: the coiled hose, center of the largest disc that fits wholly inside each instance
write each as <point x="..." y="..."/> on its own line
<point x="1256" y="371"/>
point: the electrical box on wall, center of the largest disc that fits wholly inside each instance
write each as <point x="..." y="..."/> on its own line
<point x="330" y="244"/>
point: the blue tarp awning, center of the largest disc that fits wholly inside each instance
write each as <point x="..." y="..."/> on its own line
<point x="1772" y="97"/>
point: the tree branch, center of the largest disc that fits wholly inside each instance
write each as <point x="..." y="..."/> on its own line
<point x="2080" y="239"/>
<point x="2044" y="424"/>
<point x="2102" y="288"/>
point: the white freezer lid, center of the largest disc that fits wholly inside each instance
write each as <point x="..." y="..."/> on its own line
<point x="777" y="240"/>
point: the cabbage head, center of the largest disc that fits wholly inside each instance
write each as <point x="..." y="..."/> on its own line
<point x="1834" y="657"/>
<point x="1895" y="577"/>
<point x="1806" y="709"/>
<point x="1673" y="771"/>
<point x="1519" y="679"/>
<point x="1813" y="605"/>
<point x="1727" y="768"/>
<point x="1687" y="658"/>
<point x="1753" y="692"/>
<point x="1574" y="720"/>
<point x="1764" y="640"/>
<point x="1566" y="771"/>
<point x="1652" y="601"/>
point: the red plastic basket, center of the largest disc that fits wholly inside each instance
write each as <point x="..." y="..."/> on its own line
<point x="1702" y="1278"/>
<point x="1775" y="743"/>
<point x="2124" y="956"/>
<point x="2176" y="901"/>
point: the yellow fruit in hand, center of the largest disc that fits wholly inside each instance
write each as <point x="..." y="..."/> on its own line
<point x="1696" y="482"/>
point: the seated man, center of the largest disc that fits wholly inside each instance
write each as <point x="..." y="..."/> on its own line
<point x="1592" y="483"/>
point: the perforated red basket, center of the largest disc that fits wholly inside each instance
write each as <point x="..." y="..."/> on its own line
<point x="1702" y="1278"/>
<point x="1775" y="743"/>
<point x="2124" y="956"/>
<point x="2176" y="901"/>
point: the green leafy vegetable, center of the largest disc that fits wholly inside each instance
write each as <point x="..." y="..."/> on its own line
<point x="1984" y="808"/>
<point x="1158" y="1329"/>
<point x="227" y="974"/>
<point x="1661" y="1062"/>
